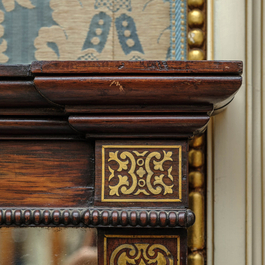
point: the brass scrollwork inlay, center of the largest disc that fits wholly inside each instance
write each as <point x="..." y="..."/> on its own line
<point x="123" y="184"/>
<point x="147" y="171"/>
<point x="141" y="254"/>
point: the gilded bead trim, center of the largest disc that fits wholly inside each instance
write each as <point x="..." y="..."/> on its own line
<point x="196" y="233"/>
<point x="196" y="37"/>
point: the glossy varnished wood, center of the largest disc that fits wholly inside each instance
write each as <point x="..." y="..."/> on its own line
<point x="52" y="112"/>
<point x="97" y="217"/>
<point x="19" y="94"/>
<point x="121" y="83"/>
<point x="148" y="109"/>
<point x="137" y="67"/>
<point x="35" y="126"/>
<point x="46" y="174"/>
<point x="144" y="125"/>
<point x="127" y="90"/>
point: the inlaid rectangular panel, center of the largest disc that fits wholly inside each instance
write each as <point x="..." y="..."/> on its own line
<point x="46" y="173"/>
<point x="135" y="247"/>
<point x="138" y="172"/>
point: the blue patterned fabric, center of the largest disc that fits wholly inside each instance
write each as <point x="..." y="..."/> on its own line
<point x="92" y="30"/>
<point x="114" y="5"/>
<point x="125" y="24"/>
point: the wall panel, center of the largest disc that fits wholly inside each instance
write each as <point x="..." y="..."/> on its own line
<point x="236" y="139"/>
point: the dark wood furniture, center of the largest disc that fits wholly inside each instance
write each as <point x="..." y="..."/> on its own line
<point x="105" y="144"/>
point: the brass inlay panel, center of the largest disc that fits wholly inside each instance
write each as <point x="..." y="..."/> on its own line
<point x="141" y="172"/>
<point x="145" y="254"/>
<point x="142" y="253"/>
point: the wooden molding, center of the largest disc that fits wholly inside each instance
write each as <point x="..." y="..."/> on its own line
<point x="165" y="99"/>
<point x="132" y="67"/>
<point x="96" y="217"/>
<point x="105" y="144"/>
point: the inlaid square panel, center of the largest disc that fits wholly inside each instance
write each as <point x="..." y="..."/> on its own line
<point x="127" y="248"/>
<point x="140" y="172"/>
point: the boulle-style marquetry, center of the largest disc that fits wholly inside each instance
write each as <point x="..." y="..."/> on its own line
<point x="135" y="247"/>
<point x="105" y="144"/>
<point x="141" y="173"/>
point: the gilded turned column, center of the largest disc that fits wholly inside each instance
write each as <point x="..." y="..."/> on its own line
<point x="196" y="51"/>
<point x="196" y="233"/>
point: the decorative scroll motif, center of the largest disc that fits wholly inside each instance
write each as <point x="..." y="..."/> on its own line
<point x="141" y="254"/>
<point x="140" y="249"/>
<point x="143" y="170"/>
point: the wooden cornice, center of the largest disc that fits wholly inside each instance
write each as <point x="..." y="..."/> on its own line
<point x="59" y="183"/>
<point x="145" y="98"/>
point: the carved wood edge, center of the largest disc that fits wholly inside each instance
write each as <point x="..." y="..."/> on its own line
<point x="164" y="99"/>
<point x="142" y="67"/>
<point x="109" y="126"/>
<point x="97" y="217"/>
<point x="47" y="87"/>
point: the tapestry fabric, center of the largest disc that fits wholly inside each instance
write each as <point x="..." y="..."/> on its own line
<point x="92" y="30"/>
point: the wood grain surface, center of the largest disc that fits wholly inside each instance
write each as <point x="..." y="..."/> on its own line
<point x="32" y="112"/>
<point x="148" y="109"/>
<point x="18" y="70"/>
<point x="46" y="174"/>
<point x="145" y="125"/>
<point x="34" y="126"/>
<point x="139" y="67"/>
<point x="20" y="94"/>
<point x="200" y="84"/>
<point x="131" y="90"/>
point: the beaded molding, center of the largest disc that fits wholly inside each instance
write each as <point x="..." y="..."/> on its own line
<point x="96" y="217"/>
<point x="196" y="20"/>
<point x="196" y="233"/>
